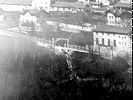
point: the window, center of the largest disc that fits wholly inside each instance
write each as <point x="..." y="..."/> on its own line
<point x="114" y="43"/>
<point x="103" y="41"/>
<point x="108" y="42"/>
<point x="97" y="41"/>
<point x="125" y="43"/>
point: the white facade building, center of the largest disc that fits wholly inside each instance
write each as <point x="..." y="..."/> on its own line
<point x="126" y="1"/>
<point x="27" y="17"/>
<point x="67" y="7"/>
<point x="113" y="19"/>
<point x="84" y="1"/>
<point x="45" y="4"/>
<point x="113" y="38"/>
<point x="15" y="5"/>
<point x="104" y="2"/>
<point x="30" y="17"/>
<point x="118" y="19"/>
<point x="6" y="7"/>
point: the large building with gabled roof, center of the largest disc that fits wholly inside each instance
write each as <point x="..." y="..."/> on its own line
<point x="116" y="39"/>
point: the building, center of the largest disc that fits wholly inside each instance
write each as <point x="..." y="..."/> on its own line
<point x="113" y="18"/>
<point x="96" y="5"/>
<point x="124" y="5"/>
<point x="104" y="2"/>
<point x="118" y="19"/>
<point x="113" y="38"/>
<point x="67" y="7"/>
<point x="29" y="19"/>
<point x="45" y="4"/>
<point x="84" y="1"/>
<point x="15" y="5"/>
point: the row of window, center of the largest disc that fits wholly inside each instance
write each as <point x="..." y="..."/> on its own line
<point x="103" y="42"/>
<point x="68" y="8"/>
<point x="113" y="34"/>
<point x="122" y="43"/>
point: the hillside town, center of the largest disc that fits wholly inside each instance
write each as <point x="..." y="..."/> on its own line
<point x="102" y="27"/>
<point x="105" y="24"/>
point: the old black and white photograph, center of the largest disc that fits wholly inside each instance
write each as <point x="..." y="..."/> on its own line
<point x="65" y="49"/>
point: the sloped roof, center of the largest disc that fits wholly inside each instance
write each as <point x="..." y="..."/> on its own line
<point x="126" y="15"/>
<point x="16" y="2"/>
<point x="115" y="13"/>
<point x="123" y="15"/>
<point x="68" y="5"/>
<point x="37" y="12"/>
<point x="31" y="11"/>
<point x="124" y="5"/>
<point x="79" y="19"/>
<point x="113" y="29"/>
<point x="76" y="19"/>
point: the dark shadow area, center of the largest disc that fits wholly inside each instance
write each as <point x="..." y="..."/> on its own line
<point x="30" y="72"/>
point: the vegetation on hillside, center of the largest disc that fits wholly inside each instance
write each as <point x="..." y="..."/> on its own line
<point x="34" y="73"/>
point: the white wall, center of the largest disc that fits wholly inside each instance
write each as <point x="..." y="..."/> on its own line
<point x="13" y="7"/>
<point x="1" y="17"/>
<point x="113" y="20"/>
<point x="122" y="41"/>
<point x="45" y="4"/>
<point x="65" y="9"/>
<point x="104" y="2"/>
<point x="28" y="18"/>
<point x="84" y="1"/>
<point x="126" y="1"/>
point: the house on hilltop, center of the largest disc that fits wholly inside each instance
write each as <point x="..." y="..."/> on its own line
<point x="124" y="6"/>
<point x="118" y="19"/>
<point x="33" y="18"/>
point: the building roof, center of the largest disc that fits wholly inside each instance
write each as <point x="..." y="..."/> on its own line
<point x="79" y="19"/>
<point x="123" y="15"/>
<point x="123" y="5"/>
<point x="95" y="3"/>
<point x="31" y="11"/>
<point x="114" y="12"/>
<point x="112" y="29"/>
<point x="16" y="2"/>
<point x="75" y="19"/>
<point x="36" y="12"/>
<point x="102" y="10"/>
<point x="68" y="5"/>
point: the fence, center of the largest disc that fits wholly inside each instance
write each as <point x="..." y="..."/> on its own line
<point x="49" y="43"/>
